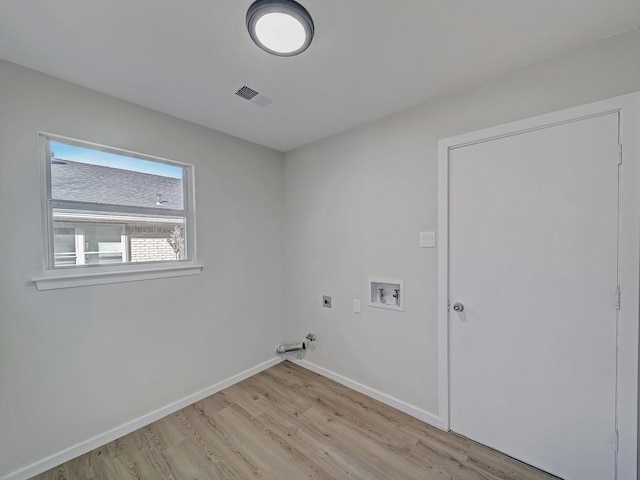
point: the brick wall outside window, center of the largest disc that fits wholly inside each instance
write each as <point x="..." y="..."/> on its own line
<point x="150" y="249"/>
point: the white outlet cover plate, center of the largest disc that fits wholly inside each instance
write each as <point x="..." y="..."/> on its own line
<point x="427" y="239"/>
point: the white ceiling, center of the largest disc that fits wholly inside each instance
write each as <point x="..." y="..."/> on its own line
<point x="369" y="58"/>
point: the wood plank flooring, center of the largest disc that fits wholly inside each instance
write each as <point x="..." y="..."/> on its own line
<point x="288" y="423"/>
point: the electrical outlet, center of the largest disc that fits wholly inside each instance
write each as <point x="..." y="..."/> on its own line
<point x="326" y="301"/>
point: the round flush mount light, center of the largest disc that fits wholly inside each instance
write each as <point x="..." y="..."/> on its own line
<point x="280" y="27"/>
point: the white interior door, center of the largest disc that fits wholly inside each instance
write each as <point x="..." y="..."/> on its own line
<point x="533" y="259"/>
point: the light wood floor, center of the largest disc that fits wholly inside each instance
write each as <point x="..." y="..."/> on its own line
<point x="287" y="423"/>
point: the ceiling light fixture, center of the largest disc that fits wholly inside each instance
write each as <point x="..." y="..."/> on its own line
<point x="280" y="27"/>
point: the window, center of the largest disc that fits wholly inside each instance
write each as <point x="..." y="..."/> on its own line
<point x="111" y="215"/>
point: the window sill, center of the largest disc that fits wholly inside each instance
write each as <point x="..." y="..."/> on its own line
<point x="56" y="280"/>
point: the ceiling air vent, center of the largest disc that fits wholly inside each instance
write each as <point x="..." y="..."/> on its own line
<point x="254" y="96"/>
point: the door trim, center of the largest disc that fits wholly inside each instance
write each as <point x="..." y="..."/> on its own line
<point x="628" y="107"/>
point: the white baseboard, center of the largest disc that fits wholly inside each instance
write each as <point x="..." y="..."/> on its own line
<point x="416" y="412"/>
<point x="85" y="446"/>
<point x="124" y="429"/>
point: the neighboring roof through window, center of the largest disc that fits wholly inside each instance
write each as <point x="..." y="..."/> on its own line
<point x="83" y="182"/>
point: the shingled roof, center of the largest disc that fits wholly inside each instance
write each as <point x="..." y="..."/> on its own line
<point x="94" y="183"/>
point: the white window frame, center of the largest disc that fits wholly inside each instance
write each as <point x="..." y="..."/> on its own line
<point x="82" y="275"/>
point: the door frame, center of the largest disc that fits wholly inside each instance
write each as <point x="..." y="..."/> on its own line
<point x="627" y="406"/>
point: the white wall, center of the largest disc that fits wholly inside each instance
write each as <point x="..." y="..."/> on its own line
<point x="355" y="203"/>
<point x="78" y="362"/>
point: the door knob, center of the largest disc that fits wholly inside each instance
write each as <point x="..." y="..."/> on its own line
<point x="458" y="307"/>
